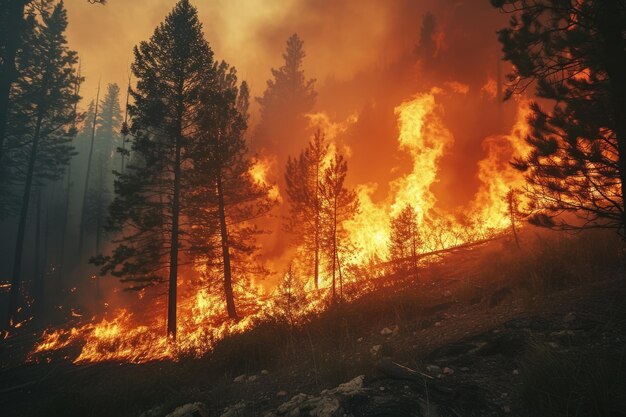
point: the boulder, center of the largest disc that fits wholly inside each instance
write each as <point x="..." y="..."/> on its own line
<point x="190" y="410"/>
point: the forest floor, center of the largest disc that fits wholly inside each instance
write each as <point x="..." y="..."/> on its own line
<point x="454" y="343"/>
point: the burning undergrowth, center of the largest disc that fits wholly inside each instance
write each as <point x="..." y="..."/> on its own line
<point x="124" y="335"/>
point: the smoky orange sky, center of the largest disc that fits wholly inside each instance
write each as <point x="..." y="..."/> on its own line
<point x="365" y="56"/>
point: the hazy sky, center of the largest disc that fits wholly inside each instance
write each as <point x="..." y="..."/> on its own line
<point x="341" y="37"/>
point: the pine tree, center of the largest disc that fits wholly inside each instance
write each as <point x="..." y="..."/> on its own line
<point x="339" y="205"/>
<point x="303" y="177"/>
<point x="405" y="240"/>
<point x="286" y="100"/>
<point x="574" y="53"/>
<point x="174" y="69"/>
<point x="234" y="199"/>
<point x="43" y="100"/>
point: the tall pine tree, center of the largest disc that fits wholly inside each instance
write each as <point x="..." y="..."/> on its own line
<point x="173" y="70"/>
<point x="43" y="100"/>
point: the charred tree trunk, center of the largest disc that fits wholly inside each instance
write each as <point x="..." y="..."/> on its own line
<point x="228" y="281"/>
<point x="64" y="229"/>
<point x="317" y="227"/>
<point x="16" y="279"/>
<point x="334" y="249"/>
<point x="37" y="271"/>
<point x="611" y="29"/>
<point x="512" y="204"/>
<point x="81" y="232"/>
<point x="14" y="16"/>
<point x="125" y="126"/>
<point x="173" y="278"/>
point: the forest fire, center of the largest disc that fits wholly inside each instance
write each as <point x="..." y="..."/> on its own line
<point x="122" y="337"/>
<point x="312" y="207"/>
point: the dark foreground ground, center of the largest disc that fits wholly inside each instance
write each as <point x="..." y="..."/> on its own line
<point x="488" y="332"/>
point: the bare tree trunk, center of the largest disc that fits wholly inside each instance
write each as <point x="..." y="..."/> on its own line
<point x="37" y="279"/>
<point x="125" y="125"/>
<point x="81" y="232"/>
<point x="228" y="284"/>
<point x="16" y="279"/>
<point x="64" y="229"/>
<point x="511" y="201"/>
<point x="611" y="30"/>
<point x="334" y="246"/>
<point x="317" y="226"/>
<point x="173" y="279"/>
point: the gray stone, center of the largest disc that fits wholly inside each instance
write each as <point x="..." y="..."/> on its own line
<point x="190" y="410"/>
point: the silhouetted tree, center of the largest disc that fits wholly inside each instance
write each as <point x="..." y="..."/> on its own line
<point x="84" y="207"/>
<point x="104" y="154"/>
<point x="405" y="240"/>
<point x="229" y="196"/>
<point x="574" y="53"/>
<point x="339" y="205"/>
<point x="173" y="69"/>
<point x="42" y="100"/>
<point x="303" y="177"/>
<point x="286" y="100"/>
<point x="13" y="24"/>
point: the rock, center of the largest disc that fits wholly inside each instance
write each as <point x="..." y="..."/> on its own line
<point x="569" y="317"/>
<point x="395" y="331"/>
<point x="281" y="394"/>
<point x="464" y="369"/>
<point x="448" y="371"/>
<point x="265" y="372"/>
<point x="238" y="410"/>
<point x="437" y="323"/>
<point x="506" y="409"/>
<point x="359" y="340"/>
<point x="190" y="410"/>
<point x="327" y="404"/>
<point x="553" y="345"/>
<point x="375" y="350"/>
<point x="386" y="331"/>
<point x="433" y="369"/>
<point x="240" y="378"/>
<point x="253" y="378"/>
<point x="515" y="372"/>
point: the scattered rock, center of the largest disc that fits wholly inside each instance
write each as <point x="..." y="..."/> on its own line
<point x="240" y="378"/>
<point x="464" y="369"/>
<point x="190" y="410"/>
<point x="238" y="410"/>
<point x="281" y="394"/>
<point x="437" y="323"/>
<point x="375" y="350"/>
<point x="359" y="340"/>
<point x="515" y="372"/>
<point x="253" y="378"/>
<point x="265" y="372"/>
<point x="386" y="331"/>
<point x="448" y="371"/>
<point x="330" y="403"/>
